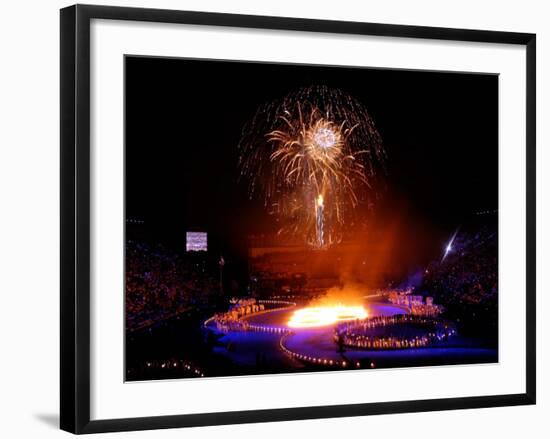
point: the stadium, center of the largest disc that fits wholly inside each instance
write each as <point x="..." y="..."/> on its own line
<point x="306" y="318"/>
<point x="285" y="219"/>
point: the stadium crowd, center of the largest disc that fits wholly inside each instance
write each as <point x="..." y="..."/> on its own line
<point x="161" y="284"/>
<point x="465" y="281"/>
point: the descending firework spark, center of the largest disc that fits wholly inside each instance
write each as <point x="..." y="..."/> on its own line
<point x="449" y="247"/>
<point x="313" y="156"/>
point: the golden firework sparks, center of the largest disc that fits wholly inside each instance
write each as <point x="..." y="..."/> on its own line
<point x="317" y="142"/>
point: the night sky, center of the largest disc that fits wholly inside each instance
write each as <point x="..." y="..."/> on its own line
<point x="184" y="120"/>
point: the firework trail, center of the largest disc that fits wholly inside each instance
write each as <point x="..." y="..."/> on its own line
<point x="449" y="246"/>
<point x="312" y="156"/>
<point x="320" y="221"/>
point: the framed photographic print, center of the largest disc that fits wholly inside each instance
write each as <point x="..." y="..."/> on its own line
<point x="267" y="218"/>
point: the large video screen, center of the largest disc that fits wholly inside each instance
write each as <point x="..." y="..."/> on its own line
<point x="196" y="241"/>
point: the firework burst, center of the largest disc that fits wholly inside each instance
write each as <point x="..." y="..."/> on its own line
<point x="312" y="155"/>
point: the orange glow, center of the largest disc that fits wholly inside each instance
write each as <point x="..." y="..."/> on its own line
<point x="320" y="200"/>
<point x="313" y="317"/>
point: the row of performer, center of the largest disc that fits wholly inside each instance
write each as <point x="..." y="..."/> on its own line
<point x="359" y="334"/>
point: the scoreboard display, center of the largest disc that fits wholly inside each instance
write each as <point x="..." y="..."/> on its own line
<point x="196" y="242"/>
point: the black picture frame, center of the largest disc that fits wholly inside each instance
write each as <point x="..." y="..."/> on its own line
<point x="75" y="217"/>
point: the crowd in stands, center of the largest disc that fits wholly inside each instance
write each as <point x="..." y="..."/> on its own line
<point x="465" y="281"/>
<point x="161" y="284"/>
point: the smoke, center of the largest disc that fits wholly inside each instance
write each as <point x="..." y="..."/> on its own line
<point x="350" y="294"/>
<point x="384" y="255"/>
<point x="413" y="280"/>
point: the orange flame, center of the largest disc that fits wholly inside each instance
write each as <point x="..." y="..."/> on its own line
<point x="313" y="317"/>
